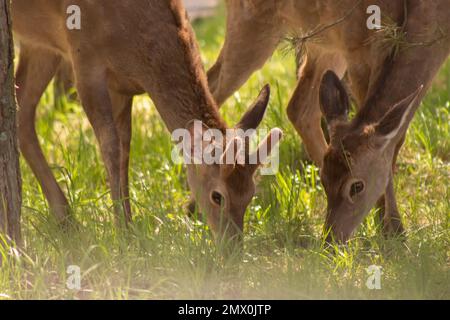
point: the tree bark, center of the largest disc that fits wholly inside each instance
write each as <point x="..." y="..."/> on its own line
<point x="10" y="180"/>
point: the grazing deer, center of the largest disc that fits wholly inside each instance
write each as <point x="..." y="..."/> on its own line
<point x="126" y="48"/>
<point x="386" y="69"/>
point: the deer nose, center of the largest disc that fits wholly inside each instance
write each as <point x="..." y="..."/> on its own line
<point x="333" y="230"/>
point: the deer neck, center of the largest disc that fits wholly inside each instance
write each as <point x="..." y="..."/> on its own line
<point x="178" y="84"/>
<point x="181" y="102"/>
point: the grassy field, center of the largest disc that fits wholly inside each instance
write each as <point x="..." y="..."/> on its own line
<point x="166" y="255"/>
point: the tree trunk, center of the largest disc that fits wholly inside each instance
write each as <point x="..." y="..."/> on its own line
<point x="10" y="181"/>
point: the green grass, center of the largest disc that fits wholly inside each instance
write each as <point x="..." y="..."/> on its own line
<point x="166" y="255"/>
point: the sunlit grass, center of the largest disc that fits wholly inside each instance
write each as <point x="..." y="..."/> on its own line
<point x="166" y="255"/>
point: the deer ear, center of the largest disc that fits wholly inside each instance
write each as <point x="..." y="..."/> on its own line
<point x="334" y="100"/>
<point x="254" y="116"/>
<point x="395" y="123"/>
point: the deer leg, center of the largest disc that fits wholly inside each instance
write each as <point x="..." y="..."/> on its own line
<point x="36" y="69"/>
<point x="391" y="219"/>
<point x="389" y="214"/>
<point x="122" y="106"/>
<point x="308" y="126"/>
<point x="304" y="108"/>
<point x="63" y="81"/>
<point x="94" y="94"/>
<point x="251" y="39"/>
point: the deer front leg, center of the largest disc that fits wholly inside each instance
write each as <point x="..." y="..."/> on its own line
<point x="391" y="219"/>
<point x="63" y="81"/>
<point x="36" y="69"/>
<point x="304" y="109"/>
<point x="251" y="38"/>
<point x="122" y="106"/>
<point x="94" y="94"/>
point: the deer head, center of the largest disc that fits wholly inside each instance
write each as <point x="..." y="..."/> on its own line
<point x="222" y="191"/>
<point x="358" y="162"/>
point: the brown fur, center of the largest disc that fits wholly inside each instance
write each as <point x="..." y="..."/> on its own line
<point x="207" y="106"/>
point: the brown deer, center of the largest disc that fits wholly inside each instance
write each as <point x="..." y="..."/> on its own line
<point x="383" y="67"/>
<point x="124" y="48"/>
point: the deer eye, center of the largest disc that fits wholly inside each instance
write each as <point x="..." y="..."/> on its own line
<point x="356" y="188"/>
<point x="217" y="198"/>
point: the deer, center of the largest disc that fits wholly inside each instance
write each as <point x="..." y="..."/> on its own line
<point x="387" y="72"/>
<point x="122" y="49"/>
